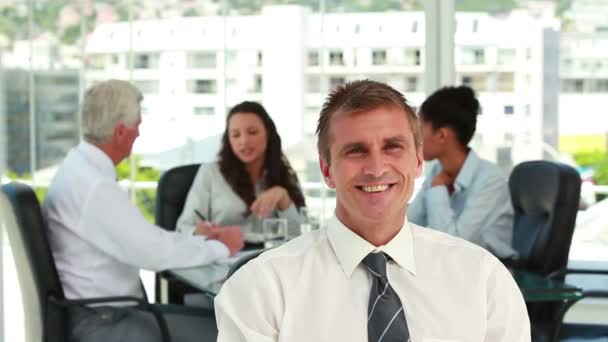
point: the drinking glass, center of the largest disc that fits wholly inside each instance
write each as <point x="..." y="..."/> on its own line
<point x="275" y="232"/>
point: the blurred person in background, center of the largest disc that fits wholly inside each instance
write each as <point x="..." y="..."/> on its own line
<point x="462" y="195"/>
<point x="252" y="179"/>
<point x="99" y="238"/>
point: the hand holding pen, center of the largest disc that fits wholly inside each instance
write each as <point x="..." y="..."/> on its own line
<point x="231" y="236"/>
<point x="203" y="227"/>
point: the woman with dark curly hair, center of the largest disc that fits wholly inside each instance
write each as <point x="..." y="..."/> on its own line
<point x="252" y="179"/>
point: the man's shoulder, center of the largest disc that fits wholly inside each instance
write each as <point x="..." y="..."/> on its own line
<point x="304" y="246"/>
<point x="438" y="243"/>
<point x="74" y="179"/>
<point x="290" y="256"/>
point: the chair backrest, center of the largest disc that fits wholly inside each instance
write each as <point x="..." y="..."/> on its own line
<point x="32" y="238"/>
<point x="545" y="198"/>
<point x="25" y="274"/>
<point x="171" y="193"/>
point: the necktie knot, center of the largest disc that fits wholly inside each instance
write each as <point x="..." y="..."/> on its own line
<point x="376" y="263"/>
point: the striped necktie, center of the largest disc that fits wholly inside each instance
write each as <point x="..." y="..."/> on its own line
<point x="385" y="317"/>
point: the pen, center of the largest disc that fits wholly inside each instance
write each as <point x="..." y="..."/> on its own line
<point x="200" y="216"/>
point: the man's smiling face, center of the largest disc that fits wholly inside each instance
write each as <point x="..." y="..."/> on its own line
<point x="373" y="165"/>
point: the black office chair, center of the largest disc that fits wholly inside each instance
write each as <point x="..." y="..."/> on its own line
<point x="30" y="236"/>
<point x="171" y="194"/>
<point x="545" y="198"/>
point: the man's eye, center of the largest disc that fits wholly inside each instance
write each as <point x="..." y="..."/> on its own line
<point x="355" y="151"/>
<point x="393" y="147"/>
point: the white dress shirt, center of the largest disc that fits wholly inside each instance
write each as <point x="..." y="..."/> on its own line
<point x="314" y="288"/>
<point x="100" y="240"/>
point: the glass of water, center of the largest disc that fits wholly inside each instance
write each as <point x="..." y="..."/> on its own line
<point x="275" y="232"/>
<point x="305" y="226"/>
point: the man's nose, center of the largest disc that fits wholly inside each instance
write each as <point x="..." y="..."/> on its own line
<point x="375" y="164"/>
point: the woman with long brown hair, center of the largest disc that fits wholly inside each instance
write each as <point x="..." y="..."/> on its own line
<point x="252" y="179"/>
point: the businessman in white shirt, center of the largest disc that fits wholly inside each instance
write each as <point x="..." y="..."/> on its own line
<point x="100" y="240"/>
<point x="370" y="275"/>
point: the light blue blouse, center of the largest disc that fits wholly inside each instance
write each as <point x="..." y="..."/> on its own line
<point x="479" y="210"/>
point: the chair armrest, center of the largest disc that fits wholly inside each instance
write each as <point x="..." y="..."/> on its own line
<point x="595" y="294"/>
<point x="139" y="302"/>
<point x="563" y="272"/>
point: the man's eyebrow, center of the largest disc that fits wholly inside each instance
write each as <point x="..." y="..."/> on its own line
<point x="351" y="146"/>
<point x="397" y="139"/>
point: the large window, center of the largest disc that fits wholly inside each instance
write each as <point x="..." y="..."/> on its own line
<point x="539" y="68"/>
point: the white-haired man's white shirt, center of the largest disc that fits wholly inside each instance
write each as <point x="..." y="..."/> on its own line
<point x="315" y="288"/>
<point x="100" y="239"/>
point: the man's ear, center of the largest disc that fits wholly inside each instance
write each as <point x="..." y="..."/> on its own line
<point x="325" y="170"/>
<point x="419" y="161"/>
<point x="120" y="131"/>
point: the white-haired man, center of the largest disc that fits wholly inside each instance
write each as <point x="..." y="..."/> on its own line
<point x="100" y="240"/>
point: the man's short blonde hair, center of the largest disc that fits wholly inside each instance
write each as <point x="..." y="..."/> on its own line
<point x="361" y="96"/>
<point x="106" y="104"/>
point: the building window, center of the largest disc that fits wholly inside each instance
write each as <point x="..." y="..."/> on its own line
<point x="475" y="25"/>
<point x="313" y="58"/>
<point x="146" y="61"/>
<point x="573" y="85"/>
<point x="506" y="56"/>
<point x="230" y="57"/>
<point x="379" y="57"/>
<point x="203" y="111"/>
<point x="97" y="62"/>
<point x="599" y="86"/>
<point x="411" y="83"/>
<point x="336" y="58"/>
<point x="472" y="56"/>
<point x="415" y="26"/>
<point x="202" y="86"/>
<point x="509" y="110"/>
<point x="260" y="58"/>
<point x="147" y="86"/>
<point x="202" y="60"/>
<point x="335" y="81"/>
<point x="257" y="84"/>
<point x="313" y="84"/>
<point x="412" y="57"/>
<point x="475" y="81"/>
<point x="506" y="81"/>
<point x="311" y="115"/>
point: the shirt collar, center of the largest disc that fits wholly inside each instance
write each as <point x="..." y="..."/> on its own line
<point x="98" y="159"/>
<point x="465" y="176"/>
<point x="350" y="248"/>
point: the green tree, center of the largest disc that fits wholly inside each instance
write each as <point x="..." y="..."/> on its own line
<point x="145" y="199"/>
<point x="598" y="160"/>
<point x="485" y="6"/>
